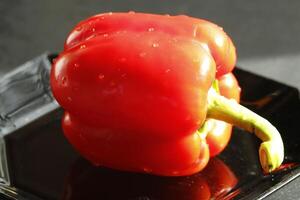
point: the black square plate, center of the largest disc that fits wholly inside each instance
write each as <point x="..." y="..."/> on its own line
<point x="44" y="166"/>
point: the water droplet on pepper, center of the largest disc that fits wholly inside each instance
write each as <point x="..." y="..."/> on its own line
<point x="79" y="28"/>
<point x="147" y="170"/>
<point x="155" y="45"/>
<point x="151" y="29"/>
<point x="64" y="80"/>
<point x="142" y="54"/>
<point x="101" y="76"/>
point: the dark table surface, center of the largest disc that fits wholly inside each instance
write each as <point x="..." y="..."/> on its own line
<point x="266" y="33"/>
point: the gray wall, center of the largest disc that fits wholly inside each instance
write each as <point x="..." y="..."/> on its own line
<point x="261" y="29"/>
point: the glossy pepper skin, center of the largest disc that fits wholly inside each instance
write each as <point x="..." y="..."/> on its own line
<point x="136" y="88"/>
<point x="210" y="36"/>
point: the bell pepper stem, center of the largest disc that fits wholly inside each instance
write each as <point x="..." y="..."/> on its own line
<point x="205" y="128"/>
<point x="271" y="151"/>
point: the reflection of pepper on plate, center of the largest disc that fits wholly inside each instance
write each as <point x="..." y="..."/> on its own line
<point x="86" y="181"/>
<point x="139" y="91"/>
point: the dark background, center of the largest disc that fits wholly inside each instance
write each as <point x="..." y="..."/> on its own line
<point x="265" y="32"/>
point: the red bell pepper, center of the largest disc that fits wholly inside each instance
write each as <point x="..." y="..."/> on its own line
<point x="137" y="87"/>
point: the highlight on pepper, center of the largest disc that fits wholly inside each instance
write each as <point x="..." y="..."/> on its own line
<point x="153" y="94"/>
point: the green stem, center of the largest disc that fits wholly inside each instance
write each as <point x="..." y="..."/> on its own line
<point x="205" y="128"/>
<point x="271" y="151"/>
